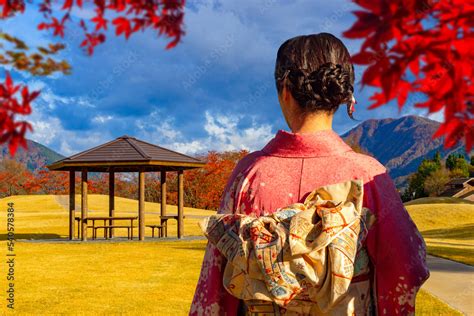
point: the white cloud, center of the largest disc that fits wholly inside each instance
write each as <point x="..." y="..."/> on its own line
<point x="220" y="126"/>
<point x="222" y="133"/>
<point x="411" y="110"/>
<point x="102" y="118"/>
<point x="48" y="129"/>
<point x="156" y="127"/>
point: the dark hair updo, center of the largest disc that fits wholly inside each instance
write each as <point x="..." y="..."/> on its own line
<point x="317" y="71"/>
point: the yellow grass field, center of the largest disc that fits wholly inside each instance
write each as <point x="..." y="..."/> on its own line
<point x="130" y="277"/>
<point x="448" y="228"/>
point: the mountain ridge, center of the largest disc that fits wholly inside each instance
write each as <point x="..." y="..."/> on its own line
<point x="35" y="157"/>
<point x="400" y="144"/>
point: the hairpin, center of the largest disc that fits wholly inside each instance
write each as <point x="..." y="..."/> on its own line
<point x="350" y="107"/>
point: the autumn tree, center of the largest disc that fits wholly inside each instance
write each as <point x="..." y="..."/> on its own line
<point x="126" y="185"/>
<point x="420" y="52"/>
<point x="125" y="17"/>
<point x="56" y="182"/>
<point x="152" y="187"/>
<point x="98" y="183"/>
<point x="204" y="186"/>
<point x="16" y="179"/>
<point x="416" y="181"/>
<point x="435" y="183"/>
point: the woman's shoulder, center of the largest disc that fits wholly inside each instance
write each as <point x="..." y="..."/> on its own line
<point x="249" y="160"/>
<point x="370" y="165"/>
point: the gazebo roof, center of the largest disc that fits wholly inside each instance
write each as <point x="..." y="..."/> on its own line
<point x="127" y="153"/>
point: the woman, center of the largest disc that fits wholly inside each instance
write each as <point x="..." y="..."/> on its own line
<point x="314" y="76"/>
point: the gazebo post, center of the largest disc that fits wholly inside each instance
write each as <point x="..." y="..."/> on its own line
<point x="111" y="200"/>
<point x="163" y="199"/>
<point x="72" y="203"/>
<point x="84" y="204"/>
<point x="141" y="205"/>
<point x="180" y="203"/>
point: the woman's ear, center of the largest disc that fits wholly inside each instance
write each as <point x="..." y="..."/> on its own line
<point x="285" y="93"/>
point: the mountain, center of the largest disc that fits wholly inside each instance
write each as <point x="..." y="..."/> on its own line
<point x="35" y="157"/>
<point x="400" y="144"/>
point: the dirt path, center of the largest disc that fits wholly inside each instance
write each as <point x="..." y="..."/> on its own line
<point x="62" y="200"/>
<point x="451" y="282"/>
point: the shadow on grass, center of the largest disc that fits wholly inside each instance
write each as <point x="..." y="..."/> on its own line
<point x="192" y="247"/>
<point x="460" y="255"/>
<point x="447" y="244"/>
<point x="459" y="232"/>
<point x="31" y="236"/>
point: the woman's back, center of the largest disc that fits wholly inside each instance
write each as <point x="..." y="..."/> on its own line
<point x="288" y="168"/>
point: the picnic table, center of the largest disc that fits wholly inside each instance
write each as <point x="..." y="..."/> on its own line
<point x="106" y="226"/>
<point x="163" y="226"/>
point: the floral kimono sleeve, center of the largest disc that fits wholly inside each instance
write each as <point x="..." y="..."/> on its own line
<point x="211" y="298"/>
<point x="396" y="248"/>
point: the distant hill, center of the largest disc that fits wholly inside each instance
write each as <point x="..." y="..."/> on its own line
<point x="37" y="155"/>
<point x="400" y="144"/>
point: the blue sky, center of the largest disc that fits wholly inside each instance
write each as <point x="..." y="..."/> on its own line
<point x="214" y="91"/>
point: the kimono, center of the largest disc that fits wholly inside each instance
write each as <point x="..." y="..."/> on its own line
<point x="285" y="171"/>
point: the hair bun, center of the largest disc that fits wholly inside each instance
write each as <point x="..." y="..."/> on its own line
<point x="317" y="70"/>
<point x="329" y="86"/>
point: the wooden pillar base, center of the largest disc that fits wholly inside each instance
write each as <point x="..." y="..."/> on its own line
<point x="72" y="203"/>
<point x="180" y="203"/>
<point x="84" y="207"/>
<point x="141" y="205"/>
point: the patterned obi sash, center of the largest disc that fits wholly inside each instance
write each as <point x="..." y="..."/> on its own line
<point x="303" y="259"/>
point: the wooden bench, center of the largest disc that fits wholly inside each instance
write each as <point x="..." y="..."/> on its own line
<point x="108" y="227"/>
<point x="159" y="228"/>
<point x="164" y="222"/>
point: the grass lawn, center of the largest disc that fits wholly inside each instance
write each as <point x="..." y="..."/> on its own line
<point x="157" y="277"/>
<point x="439" y="200"/>
<point x="448" y="228"/>
<point x="134" y="277"/>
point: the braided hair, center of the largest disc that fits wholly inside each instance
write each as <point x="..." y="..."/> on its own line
<point x="317" y="71"/>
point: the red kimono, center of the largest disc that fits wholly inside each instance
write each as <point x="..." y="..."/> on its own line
<point x="285" y="171"/>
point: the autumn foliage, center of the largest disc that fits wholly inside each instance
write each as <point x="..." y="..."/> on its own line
<point x="14" y="100"/>
<point x="165" y="17"/>
<point x="420" y="52"/>
<point x="204" y="186"/>
<point x="16" y="179"/>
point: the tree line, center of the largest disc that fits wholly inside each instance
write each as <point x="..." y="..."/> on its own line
<point x="433" y="174"/>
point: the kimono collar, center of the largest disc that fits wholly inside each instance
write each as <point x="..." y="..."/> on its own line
<point x="316" y="144"/>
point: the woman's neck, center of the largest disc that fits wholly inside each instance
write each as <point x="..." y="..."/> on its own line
<point x="311" y="123"/>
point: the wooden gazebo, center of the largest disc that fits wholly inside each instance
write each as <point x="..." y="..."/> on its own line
<point x="125" y="154"/>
